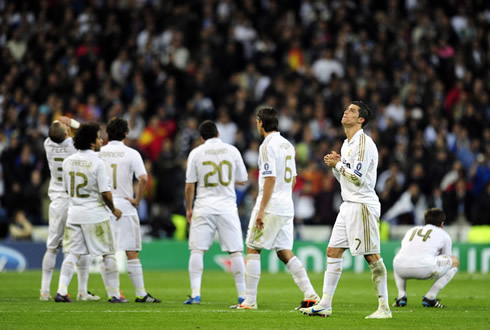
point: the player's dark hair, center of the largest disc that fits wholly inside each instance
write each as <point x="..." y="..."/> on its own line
<point x="269" y="118"/>
<point x="434" y="217"/>
<point x="208" y="130"/>
<point x="86" y="135"/>
<point x="57" y="132"/>
<point x="364" y="111"/>
<point x="117" y="129"/>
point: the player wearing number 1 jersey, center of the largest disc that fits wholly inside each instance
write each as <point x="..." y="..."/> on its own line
<point x="58" y="147"/>
<point x="123" y="164"/>
<point x="213" y="169"/>
<point x="271" y="222"/>
<point x="425" y="254"/>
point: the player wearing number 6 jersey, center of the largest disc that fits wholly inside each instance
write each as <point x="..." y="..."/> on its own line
<point x="58" y="147"/>
<point x="271" y="222"/>
<point x="123" y="164"/>
<point x="357" y="225"/>
<point x="425" y="254"/>
<point x="213" y="169"/>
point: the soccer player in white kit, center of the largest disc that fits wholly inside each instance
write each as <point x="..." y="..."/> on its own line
<point x="357" y="225"/>
<point x="59" y="146"/>
<point x="271" y="222"/>
<point x="123" y="164"/>
<point x="88" y="228"/>
<point x="425" y="254"/>
<point x="214" y="167"/>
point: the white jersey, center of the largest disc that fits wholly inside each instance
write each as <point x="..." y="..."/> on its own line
<point x="277" y="159"/>
<point x="123" y="163"/>
<point x="424" y="243"/>
<point x="56" y="153"/>
<point x="357" y="169"/>
<point x="85" y="178"/>
<point x="215" y="166"/>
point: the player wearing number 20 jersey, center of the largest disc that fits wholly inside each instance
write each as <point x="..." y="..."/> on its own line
<point x="213" y="168"/>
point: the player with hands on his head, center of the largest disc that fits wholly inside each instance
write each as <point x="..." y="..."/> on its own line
<point x="58" y="146"/>
<point x="88" y="229"/>
<point x="213" y="169"/>
<point x="425" y="254"/>
<point x="124" y="163"/>
<point x="357" y="225"/>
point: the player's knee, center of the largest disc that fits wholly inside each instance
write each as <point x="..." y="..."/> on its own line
<point x="285" y="255"/>
<point x="132" y="254"/>
<point x="334" y="252"/>
<point x="236" y="254"/>
<point x="53" y="251"/>
<point x="455" y="262"/>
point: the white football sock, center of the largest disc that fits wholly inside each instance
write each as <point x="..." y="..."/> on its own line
<point x="111" y="278"/>
<point x="196" y="266"/>
<point x="102" y="270"/>
<point x="82" y="271"/>
<point x="440" y="283"/>
<point x="330" y="280"/>
<point x="238" y="270"/>
<point x="379" y="278"/>
<point x="135" y="272"/>
<point x="67" y="269"/>
<point x="252" y="278"/>
<point x="49" y="261"/>
<point x="401" y="285"/>
<point x="297" y="269"/>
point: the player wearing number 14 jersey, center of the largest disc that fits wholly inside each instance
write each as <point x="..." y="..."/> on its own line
<point x="425" y="254"/>
<point x="213" y="169"/>
<point x="123" y="164"/>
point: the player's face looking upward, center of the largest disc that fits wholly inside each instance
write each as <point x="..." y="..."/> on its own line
<point x="351" y="116"/>
<point x="98" y="142"/>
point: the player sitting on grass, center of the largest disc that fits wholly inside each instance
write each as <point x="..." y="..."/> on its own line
<point x="425" y="254"/>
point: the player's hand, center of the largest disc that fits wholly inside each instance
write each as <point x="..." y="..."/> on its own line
<point x="117" y="213"/>
<point x="188" y="215"/>
<point x="259" y="220"/>
<point x="133" y="202"/>
<point x="331" y="159"/>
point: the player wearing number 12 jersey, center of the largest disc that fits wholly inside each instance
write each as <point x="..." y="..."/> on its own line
<point x="213" y="169"/>
<point x="425" y="254"/>
<point x="123" y="164"/>
<point x="271" y="222"/>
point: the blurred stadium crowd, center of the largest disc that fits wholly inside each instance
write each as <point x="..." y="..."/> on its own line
<point x="423" y="67"/>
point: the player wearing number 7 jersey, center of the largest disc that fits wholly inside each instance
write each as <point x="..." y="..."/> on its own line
<point x="271" y="222"/>
<point x="213" y="169"/>
<point x="425" y="254"/>
<point x="357" y="225"/>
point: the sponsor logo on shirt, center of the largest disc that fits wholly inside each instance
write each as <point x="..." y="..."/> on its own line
<point x="266" y="166"/>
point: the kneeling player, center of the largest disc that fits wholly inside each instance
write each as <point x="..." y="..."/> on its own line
<point x="425" y="254"/>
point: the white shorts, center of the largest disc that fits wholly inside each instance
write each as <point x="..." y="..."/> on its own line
<point x="357" y="229"/>
<point x="277" y="233"/>
<point x="204" y="227"/>
<point x="58" y="213"/>
<point x="434" y="268"/>
<point x="95" y="239"/>
<point x="127" y="233"/>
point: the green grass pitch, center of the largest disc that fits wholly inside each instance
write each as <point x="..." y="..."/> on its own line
<point x="467" y="298"/>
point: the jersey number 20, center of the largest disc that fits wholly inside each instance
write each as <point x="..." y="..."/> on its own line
<point x="217" y="168"/>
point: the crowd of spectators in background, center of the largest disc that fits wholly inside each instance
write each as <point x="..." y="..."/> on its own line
<point x="423" y="67"/>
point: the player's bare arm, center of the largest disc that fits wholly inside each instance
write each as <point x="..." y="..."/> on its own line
<point x="142" y="181"/>
<point x="107" y="197"/>
<point x="269" y="183"/>
<point x="190" y="190"/>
